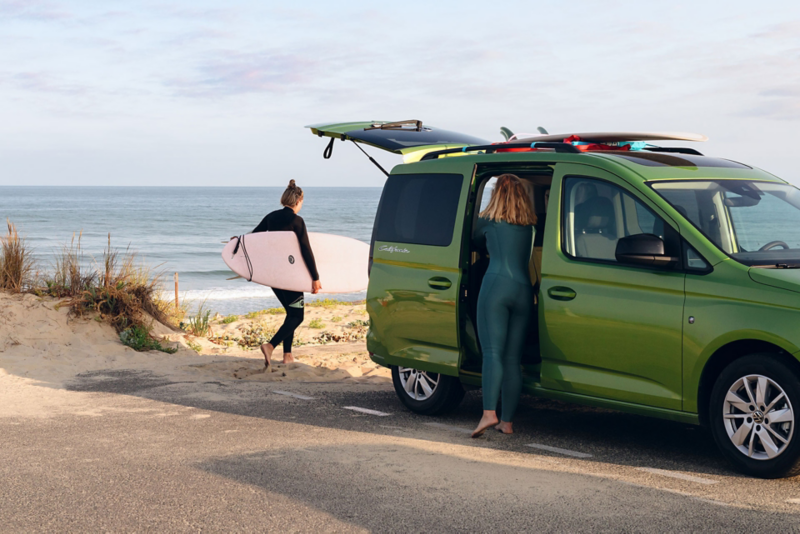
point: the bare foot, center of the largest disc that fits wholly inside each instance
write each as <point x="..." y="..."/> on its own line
<point x="504" y="427"/>
<point x="488" y="420"/>
<point x="288" y="358"/>
<point x="267" y="350"/>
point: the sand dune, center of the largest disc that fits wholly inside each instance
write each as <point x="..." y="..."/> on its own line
<point x="42" y="345"/>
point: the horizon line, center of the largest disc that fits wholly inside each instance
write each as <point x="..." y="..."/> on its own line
<point x="205" y="186"/>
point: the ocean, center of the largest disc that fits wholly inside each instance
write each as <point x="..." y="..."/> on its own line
<point x="180" y="229"/>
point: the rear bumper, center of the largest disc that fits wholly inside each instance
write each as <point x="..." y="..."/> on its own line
<point x="380" y="360"/>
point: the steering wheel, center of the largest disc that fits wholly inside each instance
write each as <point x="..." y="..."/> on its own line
<point x="773" y="244"/>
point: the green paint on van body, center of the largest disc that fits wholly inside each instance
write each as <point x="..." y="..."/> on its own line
<point x="624" y="341"/>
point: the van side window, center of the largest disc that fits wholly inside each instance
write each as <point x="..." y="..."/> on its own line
<point x="419" y="209"/>
<point x="597" y="214"/>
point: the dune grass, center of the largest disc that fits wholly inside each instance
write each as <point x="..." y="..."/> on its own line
<point x="117" y="289"/>
<point x="138" y="338"/>
<point x="200" y="323"/>
<point x="120" y="291"/>
<point x="16" y="261"/>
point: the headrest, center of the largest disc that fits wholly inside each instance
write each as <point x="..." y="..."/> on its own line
<point x="598" y="214"/>
<point x="585" y="191"/>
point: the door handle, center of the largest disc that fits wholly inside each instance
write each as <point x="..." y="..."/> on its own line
<point x="438" y="282"/>
<point x="561" y="293"/>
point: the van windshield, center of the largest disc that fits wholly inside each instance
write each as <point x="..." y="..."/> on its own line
<point x="755" y="223"/>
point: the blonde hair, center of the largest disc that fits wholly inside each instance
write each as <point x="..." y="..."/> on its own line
<point x="510" y="202"/>
<point x="292" y="195"/>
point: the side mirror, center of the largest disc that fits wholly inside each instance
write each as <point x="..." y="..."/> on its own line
<point x="643" y="249"/>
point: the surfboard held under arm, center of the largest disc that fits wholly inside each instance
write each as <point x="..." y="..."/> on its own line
<point x="274" y="259"/>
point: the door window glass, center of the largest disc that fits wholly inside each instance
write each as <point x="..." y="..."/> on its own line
<point x="694" y="262"/>
<point x="419" y="209"/>
<point x="598" y="214"/>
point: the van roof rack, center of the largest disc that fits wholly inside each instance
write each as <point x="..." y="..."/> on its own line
<point x="673" y="150"/>
<point x="491" y="149"/>
<point x="398" y="125"/>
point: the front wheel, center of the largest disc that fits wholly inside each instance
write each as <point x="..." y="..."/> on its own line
<point x="752" y="416"/>
<point x="426" y="393"/>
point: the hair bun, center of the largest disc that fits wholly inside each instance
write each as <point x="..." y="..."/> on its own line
<point x="292" y="184"/>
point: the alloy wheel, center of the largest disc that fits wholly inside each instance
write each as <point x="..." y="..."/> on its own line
<point x="419" y="385"/>
<point x="758" y="417"/>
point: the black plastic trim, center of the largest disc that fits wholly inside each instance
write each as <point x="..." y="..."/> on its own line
<point x="491" y="149"/>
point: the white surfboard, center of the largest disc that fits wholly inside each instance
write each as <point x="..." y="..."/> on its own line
<point x="609" y="137"/>
<point x="273" y="259"/>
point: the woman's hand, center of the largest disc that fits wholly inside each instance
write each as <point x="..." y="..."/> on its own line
<point x="316" y="286"/>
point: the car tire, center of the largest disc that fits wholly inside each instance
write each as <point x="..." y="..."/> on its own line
<point x="426" y="393"/>
<point x="746" y="394"/>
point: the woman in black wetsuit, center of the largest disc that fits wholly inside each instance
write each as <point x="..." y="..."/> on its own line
<point x="287" y="220"/>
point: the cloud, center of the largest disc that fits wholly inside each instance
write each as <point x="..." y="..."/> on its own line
<point x="42" y="83"/>
<point x="784" y="30"/>
<point x="195" y="13"/>
<point x="783" y="109"/>
<point x="232" y="73"/>
<point x="200" y="35"/>
<point x="32" y="10"/>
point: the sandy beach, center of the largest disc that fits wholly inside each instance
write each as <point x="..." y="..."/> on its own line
<point x="43" y="345"/>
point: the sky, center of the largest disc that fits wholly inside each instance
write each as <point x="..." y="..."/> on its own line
<point x="202" y="93"/>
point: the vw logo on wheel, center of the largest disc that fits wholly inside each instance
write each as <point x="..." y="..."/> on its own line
<point x="291" y="260"/>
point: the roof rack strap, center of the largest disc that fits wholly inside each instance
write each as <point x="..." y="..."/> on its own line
<point x="329" y="149"/>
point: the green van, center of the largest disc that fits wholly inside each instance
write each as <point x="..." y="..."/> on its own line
<point x="668" y="282"/>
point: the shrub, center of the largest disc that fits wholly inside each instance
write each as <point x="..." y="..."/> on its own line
<point x="316" y="323"/>
<point x="200" y="323"/>
<point x="138" y="338"/>
<point x="336" y="318"/>
<point x="275" y="311"/>
<point x="255" y="336"/>
<point x="326" y="303"/>
<point x="358" y="323"/>
<point x="229" y="319"/>
<point x="16" y="262"/>
<point x="70" y="276"/>
<point x="122" y="293"/>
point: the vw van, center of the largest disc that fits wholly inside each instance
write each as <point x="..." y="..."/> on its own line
<point x="667" y="282"/>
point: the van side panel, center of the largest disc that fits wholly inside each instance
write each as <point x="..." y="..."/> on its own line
<point x="728" y="306"/>
<point x="414" y="288"/>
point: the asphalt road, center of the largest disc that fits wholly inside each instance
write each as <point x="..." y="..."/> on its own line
<point x="155" y="455"/>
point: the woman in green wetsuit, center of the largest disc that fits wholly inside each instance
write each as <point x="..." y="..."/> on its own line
<point x="505" y="302"/>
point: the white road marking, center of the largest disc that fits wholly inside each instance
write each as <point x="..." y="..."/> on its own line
<point x="681" y="476"/>
<point x="290" y="394"/>
<point x="200" y="416"/>
<point x="793" y="501"/>
<point x="450" y="427"/>
<point x="558" y="450"/>
<point x="712" y="501"/>
<point x="367" y="410"/>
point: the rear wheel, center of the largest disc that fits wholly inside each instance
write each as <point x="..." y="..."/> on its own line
<point x="752" y="416"/>
<point x="426" y="393"/>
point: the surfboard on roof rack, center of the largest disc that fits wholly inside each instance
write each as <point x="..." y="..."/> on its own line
<point x="609" y="137"/>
